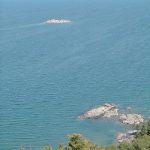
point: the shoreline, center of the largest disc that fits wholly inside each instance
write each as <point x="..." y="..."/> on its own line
<point x="112" y="111"/>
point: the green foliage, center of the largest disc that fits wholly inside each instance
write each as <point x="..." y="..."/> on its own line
<point x="47" y="148"/>
<point x="77" y="142"/>
<point x="148" y="128"/>
<point x="142" y="143"/>
<point x="126" y="146"/>
<point x="61" y="147"/>
<point x="144" y="129"/>
<point x="113" y="147"/>
<point x="21" y="148"/>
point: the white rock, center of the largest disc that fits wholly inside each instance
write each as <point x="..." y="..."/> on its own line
<point x="125" y="137"/>
<point x="131" y="119"/>
<point x="107" y="110"/>
<point x="56" y="21"/>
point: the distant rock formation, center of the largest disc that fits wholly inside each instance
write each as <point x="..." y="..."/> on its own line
<point x="110" y="111"/>
<point x="107" y="111"/>
<point x="56" y="21"/>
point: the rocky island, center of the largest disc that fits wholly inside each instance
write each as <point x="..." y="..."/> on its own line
<point x="57" y="21"/>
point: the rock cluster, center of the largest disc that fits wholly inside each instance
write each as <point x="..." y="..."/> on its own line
<point x="111" y="110"/>
<point x="56" y="21"/>
<point x="107" y="110"/>
<point x="126" y="137"/>
<point x="131" y="119"/>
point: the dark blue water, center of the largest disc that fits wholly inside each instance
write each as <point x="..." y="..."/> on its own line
<point x="50" y="74"/>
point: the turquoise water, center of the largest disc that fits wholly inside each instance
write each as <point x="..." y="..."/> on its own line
<point x="50" y="74"/>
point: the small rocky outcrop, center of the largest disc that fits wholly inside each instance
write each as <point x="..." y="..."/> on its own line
<point x="131" y="119"/>
<point x="110" y="111"/>
<point x="126" y="137"/>
<point x="107" y="111"/>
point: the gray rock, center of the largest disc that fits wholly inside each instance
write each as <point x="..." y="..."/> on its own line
<point x="126" y="137"/>
<point x="132" y="119"/>
<point x="107" y="111"/>
<point x="110" y="111"/>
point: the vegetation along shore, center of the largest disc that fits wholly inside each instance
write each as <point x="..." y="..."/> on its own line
<point x="141" y="141"/>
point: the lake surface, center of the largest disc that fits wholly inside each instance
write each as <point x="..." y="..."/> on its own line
<point x="50" y="74"/>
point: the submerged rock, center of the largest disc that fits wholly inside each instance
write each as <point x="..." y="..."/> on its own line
<point x="107" y="110"/>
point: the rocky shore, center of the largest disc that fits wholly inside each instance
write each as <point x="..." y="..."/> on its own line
<point x="131" y="119"/>
<point x="127" y="137"/>
<point x="56" y="21"/>
<point x="110" y="111"/>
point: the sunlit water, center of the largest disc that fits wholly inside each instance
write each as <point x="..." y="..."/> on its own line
<point x="50" y="74"/>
